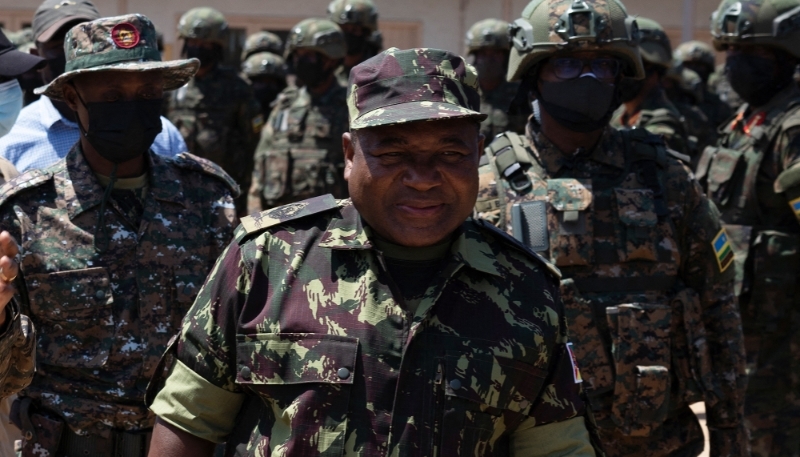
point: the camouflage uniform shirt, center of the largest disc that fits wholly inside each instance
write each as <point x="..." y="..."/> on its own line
<point x="104" y="319"/>
<point x="642" y="285"/>
<point x="659" y="116"/>
<point x="300" y="153"/>
<point x="298" y="314"/>
<point x="220" y="120"/>
<point x="17" y="351"/>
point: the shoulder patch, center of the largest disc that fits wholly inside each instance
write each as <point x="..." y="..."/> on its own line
<point x="519" y="246"/>
<point x="723" y="250"/>
<point x="259" y="222"/>
<point x="24" y="181"/>
<point x="192" y="162"/>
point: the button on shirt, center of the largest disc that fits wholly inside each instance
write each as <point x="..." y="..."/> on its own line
<point x="42" y="136"/>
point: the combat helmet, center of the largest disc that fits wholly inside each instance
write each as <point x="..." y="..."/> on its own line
<point x="757" y="22"/>
<point x="262" y="42"/>
<point x="695" y="51"/>
<point x="204" y="23"/>
<point x="488" y="34"/>
<point x="318" y="34"/>
<point x="550" y="26"/>
<point x="654" y="46"/>
<point x="264" y="64"/>
<point x="358" y="12"/>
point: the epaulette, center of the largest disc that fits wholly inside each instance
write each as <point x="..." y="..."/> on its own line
<point x="192" y="162"/>
<point x="515" y="243"/>
<point x="258" y="222"/>
<point x="24" y="181"/>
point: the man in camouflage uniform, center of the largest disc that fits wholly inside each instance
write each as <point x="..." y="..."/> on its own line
<point x="699" y="57"/>
<point x="392" y="324"/>
<point x="300" y="152"/>
<point x="487" y="48"/>
<point x="644" y="104"/>
<point x="358" y="20"/>
<point x="115" y="242"/>
<point x="684" y="88"/>
<point x="651" y="312"/>
<point x="266" y="73"/>
<point x="216" y="112"/>
<point x="753" y="175"/>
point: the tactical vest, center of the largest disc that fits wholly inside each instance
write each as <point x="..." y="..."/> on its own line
<point x="767" y="257"/>
<point x="304" y="156"/>
<point x="616" y="244"/>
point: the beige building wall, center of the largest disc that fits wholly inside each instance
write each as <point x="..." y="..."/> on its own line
<point x="405" y="23"/>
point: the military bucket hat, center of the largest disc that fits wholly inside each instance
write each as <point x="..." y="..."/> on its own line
<point x="401" y="86"/>
<point x="123" y="43"/>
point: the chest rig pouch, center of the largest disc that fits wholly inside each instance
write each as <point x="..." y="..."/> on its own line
<point x="297" y="165"/>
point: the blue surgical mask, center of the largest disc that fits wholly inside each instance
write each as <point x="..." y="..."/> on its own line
<point x="10" y="105"/>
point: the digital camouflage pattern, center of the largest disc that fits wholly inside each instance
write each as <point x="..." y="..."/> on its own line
<point x="550" y="26"/>
<point x="262" y="41"/>
<point x="300" y="152"/>
<point x="121" y="43"/>
<point x="319" y="35"/>
<point x="752" y="176"/>
<point x="220" y="120"/>
<point x="18" y="348"/>
<point x="204" y="23"/>
<point x="654" y="322"/>
<point x="104" y="319"/>
<point x="488" y="34"/>
<point x="658" y="115"/>
<point x="342" y="368"/>
<point x="436" y="84"/>
<point x="774" y="23"/>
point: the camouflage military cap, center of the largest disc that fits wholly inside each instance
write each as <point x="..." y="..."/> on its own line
<point x="654" y="45"/>
<point x="559" y="26"/>
<point x="358" y="12"/>
<point x="488" y="34"/>
<point x="397" y="87"/>
<point x="317" y="34"/>
<point x="122" y="43"/>
<point x="264" y="64"/>
<point x="695" y="51"/>
<point x="204" y="23"/>
<point x="262" y="42"/>
<point x="773" y="23"/>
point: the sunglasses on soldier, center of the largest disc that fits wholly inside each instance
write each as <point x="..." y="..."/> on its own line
<point x="567" y="68"/>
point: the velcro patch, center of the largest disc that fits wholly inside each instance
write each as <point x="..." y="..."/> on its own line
<point x="795" y="204"/>
<point x="723" y="250"/>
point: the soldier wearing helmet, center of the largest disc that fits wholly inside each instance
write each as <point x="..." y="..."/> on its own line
<point x="266" y="73"/>
<point x="216" y="111"/>
<point x="652" y="318"/>
<point x="684" y="88"/>
<point x="300" y="152"/>
<point x="753" y="175"/>
<point x="699" y="58"/>
<point x="487" y="48"/>
<point x="262" y="42"/>
<point x="644" y="103"/>
<point x="358" y="20"/>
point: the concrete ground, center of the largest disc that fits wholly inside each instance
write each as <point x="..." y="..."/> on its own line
<point x="700" y="410"/>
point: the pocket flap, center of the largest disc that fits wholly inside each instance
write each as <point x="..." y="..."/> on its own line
<point x="636" y="207"/>
<point x="69" y="294"/>
<point x="569" y="194"/>
<point x="722" y="166"/>
<point x="295" y="358"/>
<point x="497" y="382"/>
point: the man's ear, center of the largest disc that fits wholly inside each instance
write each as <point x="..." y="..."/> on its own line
<point x="349" y="148"/>
<point x="70" y="96"/>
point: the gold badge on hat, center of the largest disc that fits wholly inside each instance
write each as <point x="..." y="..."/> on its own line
<point x="125" y="35"/>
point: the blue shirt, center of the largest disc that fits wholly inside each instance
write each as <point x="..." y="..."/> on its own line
<point x="41" y="137"/>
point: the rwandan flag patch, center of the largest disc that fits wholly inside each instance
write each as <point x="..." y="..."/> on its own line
<point x="723" y="250"/>
<point x="795" y="204"/>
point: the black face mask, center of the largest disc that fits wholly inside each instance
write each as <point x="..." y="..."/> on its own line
<point x="489" y="70"/>
<point x="356" y="45"/>
<point x="121" y="131"/>
<point x="582" y="104"/>
<point x="629" y="88"/>
<point x="310" y="72"/>
<point x="266" y="92"/>
<point x="207" y="56"/>
<point x="757" y="79"/>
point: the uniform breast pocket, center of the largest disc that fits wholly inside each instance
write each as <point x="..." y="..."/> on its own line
<point x="484" y="397"/>
<point x="570" y="222"/>
<point x="307" y="376"/>
<point x="637" y="231"/>
<point x="73" y="315"/>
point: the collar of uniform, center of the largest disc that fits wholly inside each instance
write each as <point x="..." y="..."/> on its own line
<point x="553" y="159"/>
<point x="346" y="231"/>
<point x="166" y="184"/>
<point x="470" y="247"/>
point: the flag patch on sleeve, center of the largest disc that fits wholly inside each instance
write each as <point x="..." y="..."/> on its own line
<point x="576" y="372"/>
<point x="723" y="250"/>
<point x="795" y="204"/>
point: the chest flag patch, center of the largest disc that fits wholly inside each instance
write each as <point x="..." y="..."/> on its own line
<point x="576" y="372"/>
<point x="795" y="204"/>
<point x="723" y="250"/>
